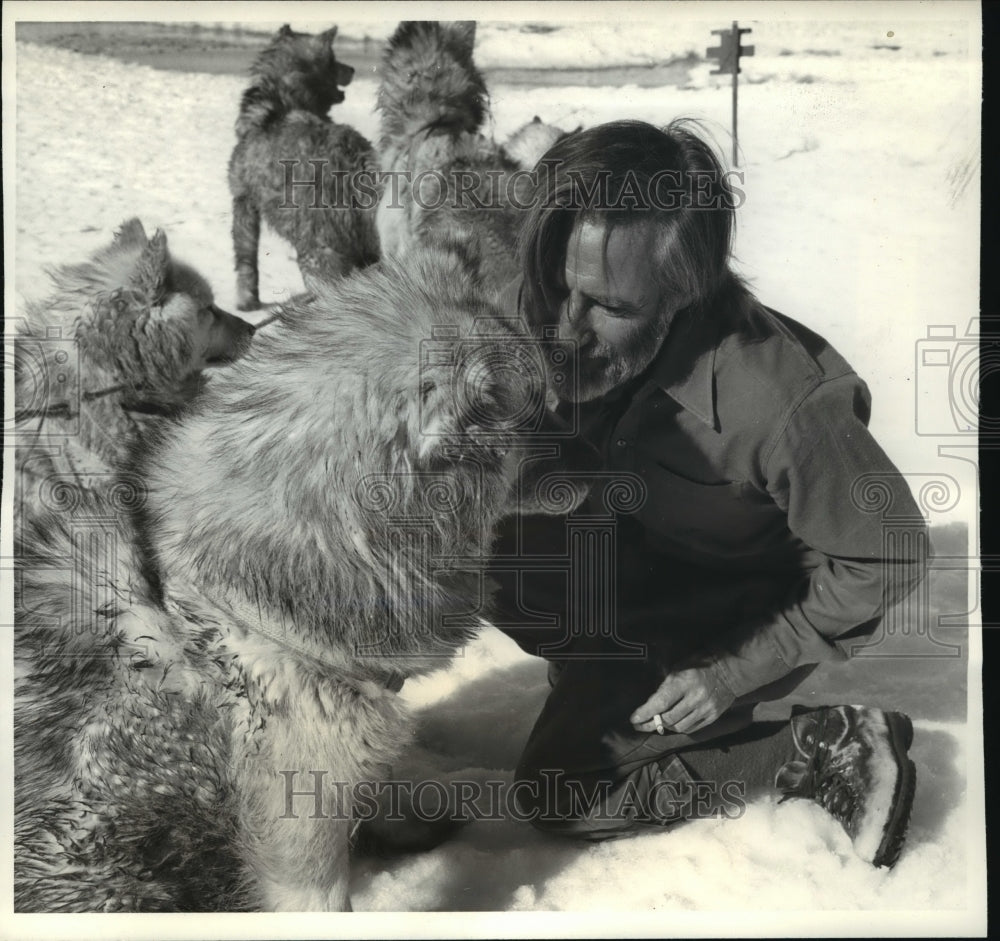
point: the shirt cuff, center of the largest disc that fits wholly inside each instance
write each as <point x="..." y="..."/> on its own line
<point x="748" y="669"/>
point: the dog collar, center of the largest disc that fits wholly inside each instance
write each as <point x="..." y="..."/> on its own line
<point x="251" y="622"/>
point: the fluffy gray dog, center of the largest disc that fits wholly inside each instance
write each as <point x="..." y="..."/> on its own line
<point x="315" y="527"/>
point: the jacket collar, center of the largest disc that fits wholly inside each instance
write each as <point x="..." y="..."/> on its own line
<point x="685" y="366"/>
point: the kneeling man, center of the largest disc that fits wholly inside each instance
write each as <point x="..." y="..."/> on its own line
<point x="750" y="559"/>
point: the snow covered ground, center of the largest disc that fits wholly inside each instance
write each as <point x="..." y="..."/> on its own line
<point x="860" y="220"/>
<point x="791" y="856"/>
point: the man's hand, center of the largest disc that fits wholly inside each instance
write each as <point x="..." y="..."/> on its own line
<point x="686" y="701"/>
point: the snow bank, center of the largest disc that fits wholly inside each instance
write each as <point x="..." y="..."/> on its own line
<point x="472" y="719"/>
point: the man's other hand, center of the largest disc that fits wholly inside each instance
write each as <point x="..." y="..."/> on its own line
<point x="687" y="700"/>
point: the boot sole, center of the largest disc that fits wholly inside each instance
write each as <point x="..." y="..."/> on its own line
<point x="901" y="737"/>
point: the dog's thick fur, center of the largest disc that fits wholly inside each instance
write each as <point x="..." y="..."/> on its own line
<point x="264" y="596"/>
<point x="120" y="342"/>
<point x="284" y="117"/>
<point x="433" y="102"/>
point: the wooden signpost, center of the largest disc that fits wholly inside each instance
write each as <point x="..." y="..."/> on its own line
<point x="728" y="53"/>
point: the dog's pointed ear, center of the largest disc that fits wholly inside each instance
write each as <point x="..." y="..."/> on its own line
<point x="465" y="32"/>
<point x="130" y="234"/>
<point x="285" y="30"/>
<point x="329" y="35"/>
<point x="536" y="120"/>
<point x="149" y="277"/>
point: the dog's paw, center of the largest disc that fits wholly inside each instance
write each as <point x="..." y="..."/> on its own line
<point x="381" y="837"/>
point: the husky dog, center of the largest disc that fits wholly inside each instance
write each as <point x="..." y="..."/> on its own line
<point x="530" y="142"/>
<point x="315" y="526"/>
<point x="120" y="343"/>
<point x="284" y="134"/>
<point x="447" y="179"/>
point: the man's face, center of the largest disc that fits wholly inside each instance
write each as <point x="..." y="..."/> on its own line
<point x="613" y="309"/>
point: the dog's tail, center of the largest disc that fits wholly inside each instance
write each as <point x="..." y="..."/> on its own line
<point x="258" y="109"/>
<point x="430" y="82"/>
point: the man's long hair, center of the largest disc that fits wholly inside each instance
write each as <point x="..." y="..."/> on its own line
<point x="623" y="173"/>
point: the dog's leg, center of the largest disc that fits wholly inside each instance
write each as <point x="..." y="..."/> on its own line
<point x="281" y="893"/>
<point x="393" y="222"/>
<point x="246" y="236"/>
<point x="315" y="739"/>
<point x="294" y="819"/>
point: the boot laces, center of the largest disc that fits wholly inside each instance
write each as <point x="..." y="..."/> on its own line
<point x="823" y="779"/>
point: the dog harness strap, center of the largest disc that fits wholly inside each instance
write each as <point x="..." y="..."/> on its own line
<point x="252" y="620"/>
<point x="63" y="409"/>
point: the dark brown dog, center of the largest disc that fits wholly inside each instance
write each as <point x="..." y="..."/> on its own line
<point x="285" y="137"/>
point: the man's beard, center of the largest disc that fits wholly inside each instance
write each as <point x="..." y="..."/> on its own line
<point x="600" y="368"/>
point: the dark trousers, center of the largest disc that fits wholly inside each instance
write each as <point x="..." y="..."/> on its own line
<point x="585" y="771"/>
<point x="589" y="773"/>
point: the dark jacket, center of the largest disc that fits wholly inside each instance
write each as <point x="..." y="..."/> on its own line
<point x="750" y="434"/>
